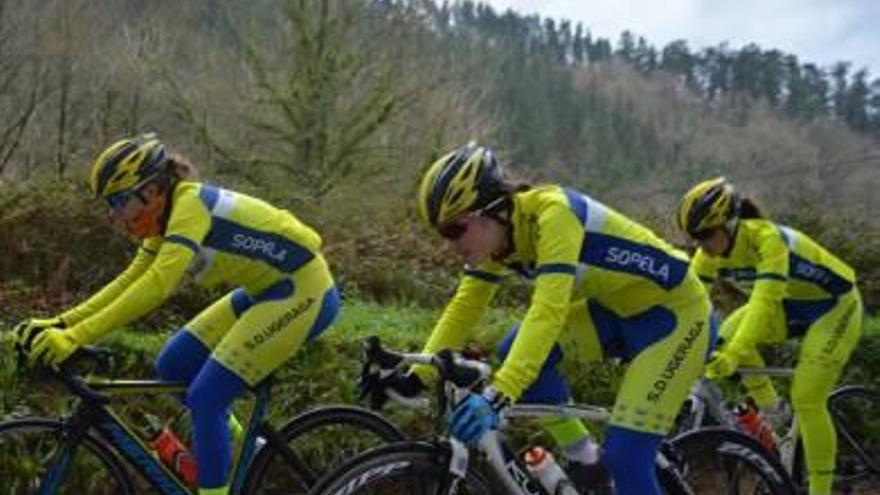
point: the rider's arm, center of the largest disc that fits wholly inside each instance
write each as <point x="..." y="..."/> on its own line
<point x="560" y="235"/>
<point x="477" y="288"/>
<point x="771" y="276"/>
<point x="706" y="268"/>
<point x="187" y="227"/>
<point x="145" y="255"/>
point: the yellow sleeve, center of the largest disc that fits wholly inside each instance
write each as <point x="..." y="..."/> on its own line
<point x="145" y="255"/>
<point x="456" y="324"/>
<point x="771" y="277"/>
<point x="188" y="225"/>
<point x="560" y="236"/>
<point x="705" y="268"/>
<point x="156" y="284"/>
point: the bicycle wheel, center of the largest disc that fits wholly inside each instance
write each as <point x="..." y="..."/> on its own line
<point x="717" y="460"/>
<point x="410" y="468"/>
<point x="855" y="412"/>
<point x="321" y="439"/>
<point x="28" y="447"/>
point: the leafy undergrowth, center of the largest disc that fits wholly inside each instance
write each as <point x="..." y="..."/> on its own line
<point x="325" y="371"/>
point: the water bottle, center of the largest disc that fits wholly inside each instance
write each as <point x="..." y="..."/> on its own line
<point x="543" y="466"/>
<point x="751" y="422"/>
<point x="172" y="452"/>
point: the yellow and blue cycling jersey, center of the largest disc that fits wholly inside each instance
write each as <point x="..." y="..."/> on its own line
<point x="215" y="235"/>
<point x="791" y="280"/>
<point x="796" y="289"/>
<point x="283" y="296"/>
<point x="580" y="253"/>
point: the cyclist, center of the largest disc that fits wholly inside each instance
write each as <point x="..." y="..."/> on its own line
<point x="285" y="293"/>
<point x="797" y="289"/>
<point x="603" y="286"/>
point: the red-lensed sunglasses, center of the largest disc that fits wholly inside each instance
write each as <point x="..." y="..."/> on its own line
<point x="453" y="230"/>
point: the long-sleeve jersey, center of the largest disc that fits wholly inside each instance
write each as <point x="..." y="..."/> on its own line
<point x="572" y="247"/>
<point x="216" y="236"/>
<point x="773" y="263"/>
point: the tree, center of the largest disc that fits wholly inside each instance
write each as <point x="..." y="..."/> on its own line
<point x="319" y="98"/>
<point x="841" y="84"/>
<point x="816" y="87"/>
<point x="677" y="59"/>
<point x="855" y="106"/>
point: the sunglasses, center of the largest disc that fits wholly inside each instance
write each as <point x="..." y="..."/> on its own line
<point x="702" y="235"/>
<point x="118" y="201"/>
<point x="453" y="230"/>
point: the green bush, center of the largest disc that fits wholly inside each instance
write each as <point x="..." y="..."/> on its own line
<point x="326" y="371"/>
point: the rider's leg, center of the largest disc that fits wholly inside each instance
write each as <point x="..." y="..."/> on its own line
<point x="759" y="387"/>
<point x="209" y="399"/>
<point x="630" y="456"/>
<point x="270" y="329"/>
<point x="669" y="345"/>
<point x="824" y="352"/>
<point x="184" y="354"/>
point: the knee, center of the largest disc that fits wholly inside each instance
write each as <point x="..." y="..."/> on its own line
<point x="181" y="357"/>
<point x="168" y="362"/>
<point x="504" y="347"/>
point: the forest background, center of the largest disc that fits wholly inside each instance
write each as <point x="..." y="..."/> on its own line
<point x="333" y="108"/>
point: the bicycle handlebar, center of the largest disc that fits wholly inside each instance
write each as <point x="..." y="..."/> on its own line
<point x="103" y="359"/>
<point x="452" y="366"/>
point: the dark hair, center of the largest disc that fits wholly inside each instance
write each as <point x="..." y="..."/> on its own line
<point x="748" y="209"/>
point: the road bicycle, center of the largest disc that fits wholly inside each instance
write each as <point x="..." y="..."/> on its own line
<point x="94" y="450"/>
<point x="854" y="409"/>
<point x="446" y="466"/>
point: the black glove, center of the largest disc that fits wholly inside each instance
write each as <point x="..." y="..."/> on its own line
<point x="377" y="387"/>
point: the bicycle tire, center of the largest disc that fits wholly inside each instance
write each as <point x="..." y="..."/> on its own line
<point x="271" y="473"/>
<point x="27" y="443"/>
<point x="411" y="468"/>
<point x="717" y="460"/>
<point x="855" y="413"/>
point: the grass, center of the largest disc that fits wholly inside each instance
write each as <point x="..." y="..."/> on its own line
<point x="326" y="371"/>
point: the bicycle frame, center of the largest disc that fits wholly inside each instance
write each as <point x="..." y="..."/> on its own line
<point x="93" y="412"/>
<point x="507" y="465"/>
<point x="706" y="398"/>
<point x="460" y="376"/>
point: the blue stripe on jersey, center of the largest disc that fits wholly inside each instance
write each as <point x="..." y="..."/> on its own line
<point x="622" y="255"/>
<point x="801" y="269"/>
<point x="771" y="276"/>
<point x="556" y="268"/>
<point x="278" y="251"/>
<point x="209" y="195"/>
<point x="183" y="241"/>
<point x="578" y="204"/>
<point x="488" y="277"/>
